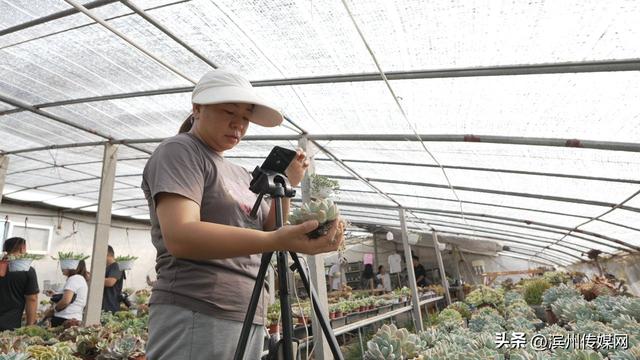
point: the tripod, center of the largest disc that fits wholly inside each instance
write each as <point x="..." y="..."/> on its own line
<point x="277" y="186"/>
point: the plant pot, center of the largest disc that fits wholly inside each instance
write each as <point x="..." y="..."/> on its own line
<point x="361" y="309"/>
<point x="338" y="314"/>
<point x="20" y="265"/>
<point x="323" y="193"/>
<point x="371" y="307"/>
<point x="550" y="317"/>
<point x="274" y="329"/>
<point x="69" y="264"/>
<point x="332" y="315"/>
<point x="302" y="320"/>
<point x="126" y="265"/>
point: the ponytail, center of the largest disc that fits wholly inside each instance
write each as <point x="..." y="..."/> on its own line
<point x="186" y="124"/>
<point x="80" y="270"/>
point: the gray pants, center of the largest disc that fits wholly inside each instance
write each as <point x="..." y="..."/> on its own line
<point x="176" y="333"/>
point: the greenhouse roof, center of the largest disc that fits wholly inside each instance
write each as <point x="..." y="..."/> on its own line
<point x="511" y="121"/>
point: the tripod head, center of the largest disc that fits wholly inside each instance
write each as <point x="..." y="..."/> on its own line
<point x="269" y="182"/>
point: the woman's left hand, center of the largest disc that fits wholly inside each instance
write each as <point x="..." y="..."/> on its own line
<point x="295" y="171"/>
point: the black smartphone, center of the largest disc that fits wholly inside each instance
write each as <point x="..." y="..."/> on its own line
<point x="278" y="160"/>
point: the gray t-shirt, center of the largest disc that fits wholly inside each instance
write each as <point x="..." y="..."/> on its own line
<point x="185" y="165"/>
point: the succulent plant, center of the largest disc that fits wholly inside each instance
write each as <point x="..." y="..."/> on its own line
<point x="449" y="319"/>
<point x="522" y="324"/>
<point x="574" y="309"/>
<point x="126" y="258"/>
<point x="462" y="308"/>
<point x="322" y="187"/>
<point x="533" y="290"/>
<point x="15" y="356"/>
<point x="35" y="331"/>
<point x="593" y="328"/>
<point x="625" y="324"/>
<point x="529" y="354"/>
<point x="629" y="354"/>
<point x="25" y="256"/>
<point x="324" y="211"/>
<point x="592" y="290"/>
<point x="562" y="291"/>
<point x="556" y="277"/>
<point x="59" y="351"/>
<point x="122" y="348"/>
<point x="578" y="355"/>
<point x="486" y="322"/>
<point x="553" y="330"/>
<point x="89" y="345"/>
<point x="389" y="343"/>
<point x="70" y="256"/>
<point x="485" y="296"/>
<point x="512" y="296"/>
<point x="520" y="309"/>
<point x="629" y="306"/>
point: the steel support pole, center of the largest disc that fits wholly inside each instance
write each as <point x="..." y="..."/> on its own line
<point x="101" y="238"/>
<point x="317" y="278"/>
<point x="4" y="165"/>
<point x="415" y="301"/>
<point x="443" y="275"/>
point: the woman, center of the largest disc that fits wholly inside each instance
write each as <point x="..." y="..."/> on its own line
<point x="383" y="279"/>
<point x="18" y="290"/>
<point x="208" y="246"/>
<point x="74" y="297"/>
<point x="367" y="278"/>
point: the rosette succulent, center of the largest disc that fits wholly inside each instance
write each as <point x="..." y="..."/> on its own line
<point x="324" y="211"/>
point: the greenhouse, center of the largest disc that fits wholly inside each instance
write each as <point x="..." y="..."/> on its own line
<point x="473" y="168"/>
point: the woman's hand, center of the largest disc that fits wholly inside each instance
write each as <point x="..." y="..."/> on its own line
<point x="297" y="167"/>
<point x="294" y="238"/>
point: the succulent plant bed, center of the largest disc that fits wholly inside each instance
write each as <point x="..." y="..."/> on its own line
<point x="355" y="306"/>
<point x="496" y="316"/>
<point x="121" y="336"/>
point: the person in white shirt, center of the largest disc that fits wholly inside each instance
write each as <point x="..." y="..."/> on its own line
<point x="68" y="307"/>
<point x="383" y="279"/>
<point x="337" y="277"/>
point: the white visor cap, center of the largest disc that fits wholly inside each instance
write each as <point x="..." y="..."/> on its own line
<point x="220" y="86"/>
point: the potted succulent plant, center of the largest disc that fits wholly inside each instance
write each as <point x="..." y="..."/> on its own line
<point x="324" y="211"/>
<point x="70" y="260"/>
<point x="273" y="315"/>
<point x="322" y="187"/>
<point x="333" y="308"/>
<point x="22" y="262"/>
<point x="126" y="262"/>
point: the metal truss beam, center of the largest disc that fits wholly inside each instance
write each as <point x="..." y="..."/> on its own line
<point x="518" y="225"/>
<point x="537" y="69"/>
<point x="493" y="139"/>
<point x="503" y="237"/>
<point x="497" y="192"/>
<point x="528" y="222"/>
<point x="540" y="239"/>
<point x="54" y="16"/>
<point x="497" y="170"/>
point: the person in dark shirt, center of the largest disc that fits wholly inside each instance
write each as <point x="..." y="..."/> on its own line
<point x="113" y="280"/>
<point x="367" y="281"/>
<point x="18" y="290"/>
<point x="421" y="273"/>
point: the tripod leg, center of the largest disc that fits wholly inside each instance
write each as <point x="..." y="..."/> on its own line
<point x="285" y="306"/>
<point x="253" y="305"/>
<point x="322" y="318"/>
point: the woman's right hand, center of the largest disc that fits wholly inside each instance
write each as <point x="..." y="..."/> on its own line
<point x="294" y="238"/>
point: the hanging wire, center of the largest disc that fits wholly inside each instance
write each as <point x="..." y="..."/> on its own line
<point x="402" y="111"/>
